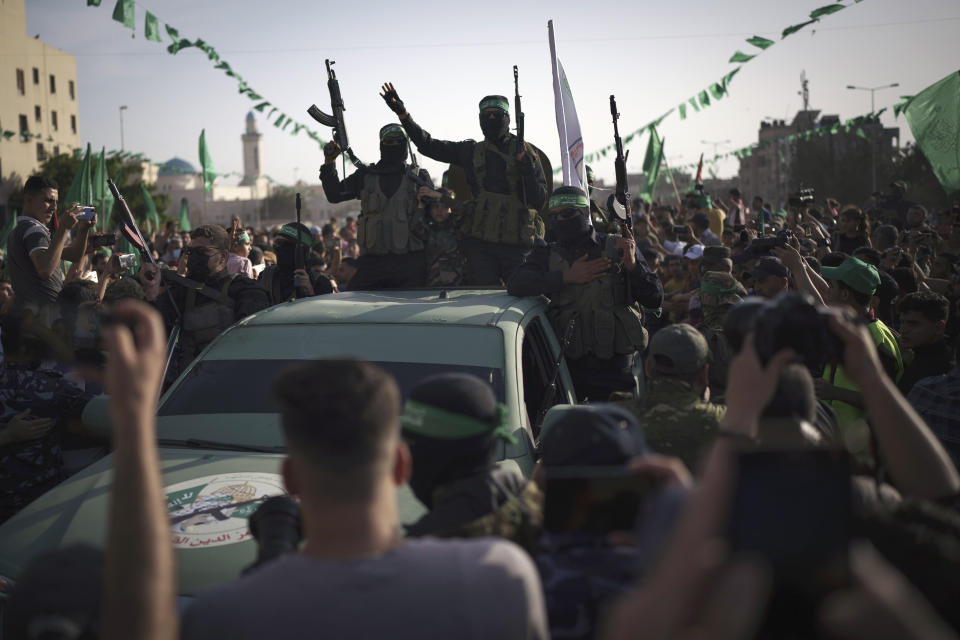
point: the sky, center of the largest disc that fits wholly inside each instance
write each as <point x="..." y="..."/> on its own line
<point x="444" y="56"/>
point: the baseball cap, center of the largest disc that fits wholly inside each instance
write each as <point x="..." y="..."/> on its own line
<point x="856" y="274"/>
<point x="694" y="253"/>
<point x="678" y="349"/>
<point x="584" y="437"/>
<point x="769" y="266"/>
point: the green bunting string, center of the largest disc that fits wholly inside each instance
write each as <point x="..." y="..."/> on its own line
<point x="789" y="31"/>
<point x="740" y="56"/>
<point x="123" y="13"/>
<point x="759" y="42"/>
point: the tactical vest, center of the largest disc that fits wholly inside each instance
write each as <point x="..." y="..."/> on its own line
<point x="384" y="224"/>
<point x="500" y="217"/>
<point x="203" y="322"/>
<point x="607" y="323"/>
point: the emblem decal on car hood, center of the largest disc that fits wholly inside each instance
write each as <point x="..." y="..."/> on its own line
<point x="211" y="511"/>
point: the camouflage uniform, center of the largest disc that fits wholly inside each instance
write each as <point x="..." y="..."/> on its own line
<point x="31" y="467"/>
<point x="462" y="509"/>
<point x="676" y="420"/>
<point x="719" y="291"/>
<point x="445" y="262"/>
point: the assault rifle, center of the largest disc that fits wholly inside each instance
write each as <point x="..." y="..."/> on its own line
<point x="299" y="259"/>
<point x="519" y="110"/>
<point x="335" y="121"/>
<point x="620" y="168"/>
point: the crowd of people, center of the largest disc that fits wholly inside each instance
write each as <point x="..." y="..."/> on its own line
<point x="766" y="444"/>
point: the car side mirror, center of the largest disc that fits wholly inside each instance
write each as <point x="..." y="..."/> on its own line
<point x="96" y="416"/>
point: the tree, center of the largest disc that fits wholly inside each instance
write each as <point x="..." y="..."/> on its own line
<point x="127" y="176"/>
<point x="912" y="167"/>
<point x="280" y="203"/>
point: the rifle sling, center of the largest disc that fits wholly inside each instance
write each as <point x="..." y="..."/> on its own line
<point x="202" y="289"/>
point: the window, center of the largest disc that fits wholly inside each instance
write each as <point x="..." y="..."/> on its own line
<point x="71" y="87"/>
<point x="36" y="76"/>
<point x="53" y="120"/>
<point x="53" y="84"/>
<point x="36" y="112"/>
<point x="56" y="150"/>
<point x="41" y="154"/>
<point x="21" y="83"/>
<point x="538" y="369"/>
<point x="24" y="128"/>
<point x="73" y="123"/>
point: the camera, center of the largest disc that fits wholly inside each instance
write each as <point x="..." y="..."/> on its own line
<point x="792" y="320"/>
<point x="126" y="260"/>
<point x="802" y="198"/>
<point x="87" y="213"/>
<point x="762" y="246"/>
<point x="102" y="240"/>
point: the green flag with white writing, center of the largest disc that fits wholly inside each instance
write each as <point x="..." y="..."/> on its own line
<point x="151" y="27"/>
<point x="934" y="118"/>
<point x="184" y="216"/>
<point x="81" y="189"/>
<point x="206" y="163"/>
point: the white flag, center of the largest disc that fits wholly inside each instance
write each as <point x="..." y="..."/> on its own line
<point x="568" y="126"/>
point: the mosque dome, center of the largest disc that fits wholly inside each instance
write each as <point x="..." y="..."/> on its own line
<point x="250" y="115"/>
<point x="176" y="166"/>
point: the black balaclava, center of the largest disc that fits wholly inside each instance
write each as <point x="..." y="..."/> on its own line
<point x="393" y="154"/>
<point x="198" y="266"/>
<point x="494" y="117"/>
<point x="438" y="461"/>
<point x="571" y="230"/>
<point x="286" y="251"/>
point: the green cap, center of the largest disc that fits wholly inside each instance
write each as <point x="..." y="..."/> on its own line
<point x="679" y="349"/>
<point x="392" y="130"/>
<point x="433" y="422"/>
<point x="856" y="274"/>
<point x="495" y="102"/>
<point x="781" y="212"/>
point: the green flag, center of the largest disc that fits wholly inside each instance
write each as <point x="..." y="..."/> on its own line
<point x="7" y="228"/>
<point x="762" y="43"/>
<point x="102" y="197"/>
<point x="727" y="78"/>
<point x="934" y="118"/>
<point x="151" y="27"/>
<point x="740" y="56"/>
<point x="717" y="90"/>
<point x="206" y="164"/>
<point x="792" y="30"/>
<point x="704" y="99"/>
<point x="123" y="12"/>
<point x="81" y="189"/>
<point x="93" y="3"/>
<point x="827" y="10"/>
<point x="683" y="110"/>
<point x="152" y="216"/>
<point x="184" y="216"/>
<point x="651" y="165"/>
<point x="693" y="103"/>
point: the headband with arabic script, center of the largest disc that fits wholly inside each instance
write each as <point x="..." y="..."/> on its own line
<point x="564" y="200"/>
<point x="495" y="103"/>
<point x="433" y="422"/>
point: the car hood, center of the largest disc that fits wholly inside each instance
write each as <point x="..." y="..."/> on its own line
<point x="210" y="495"/>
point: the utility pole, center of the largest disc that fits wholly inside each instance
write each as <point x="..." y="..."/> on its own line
<point x="873" y="135"/>
<point x="122" y="109"/>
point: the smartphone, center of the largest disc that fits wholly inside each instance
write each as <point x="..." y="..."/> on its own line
<point x="102" y="240"/>
<point x="87" y="213"/>
<point x="598" y="504"/>
<point x="792" y="508"/>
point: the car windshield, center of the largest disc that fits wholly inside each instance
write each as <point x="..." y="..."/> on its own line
<point x="235" y="376"/>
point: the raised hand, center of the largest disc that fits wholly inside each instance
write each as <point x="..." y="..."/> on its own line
<point x="393" y="100"/>
<point x="584" y="270"/>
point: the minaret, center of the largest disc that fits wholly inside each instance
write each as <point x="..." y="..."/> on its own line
<point x="251" y="152"/>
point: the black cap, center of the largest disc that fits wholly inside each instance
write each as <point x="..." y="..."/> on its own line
<point x="769" y="266"/>
<point x="589" y="436"/>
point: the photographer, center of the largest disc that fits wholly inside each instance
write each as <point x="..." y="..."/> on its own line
<point x="35" y="253"/>
<point x="610" y="505"/>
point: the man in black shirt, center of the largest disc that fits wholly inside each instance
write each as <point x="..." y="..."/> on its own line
<point x="923" y="320"/>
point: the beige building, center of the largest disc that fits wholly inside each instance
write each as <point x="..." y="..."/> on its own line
<point x="38" y="100"/>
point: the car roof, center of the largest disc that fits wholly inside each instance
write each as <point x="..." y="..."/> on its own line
<point x="416" y="306"/>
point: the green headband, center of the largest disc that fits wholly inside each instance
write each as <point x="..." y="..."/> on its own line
<point x="392" y="129"/>
<point x="430" y="421"/>
<point x="244" y="238"/>
<point x="304" y="237"/>
<point x="563" y="200"/>
<point x="495" y="103"/>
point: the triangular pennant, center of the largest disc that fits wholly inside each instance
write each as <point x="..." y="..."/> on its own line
<point x="759" y="42"/>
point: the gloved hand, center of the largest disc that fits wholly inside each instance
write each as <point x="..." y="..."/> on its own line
<point x="393" y="100"/>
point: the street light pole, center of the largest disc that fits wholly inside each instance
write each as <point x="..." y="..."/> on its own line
<point x="873" y="137"/>
<point x="122" y="109"/>
<point x="716" y="144"/>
